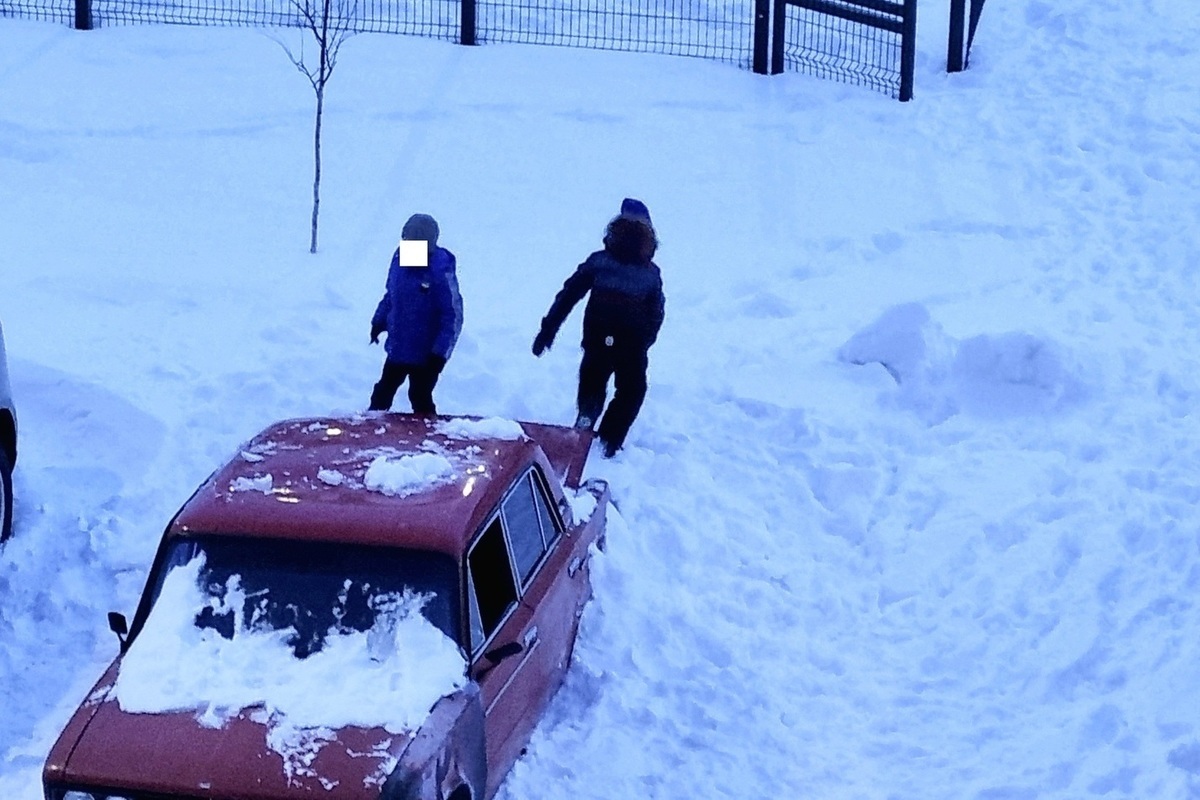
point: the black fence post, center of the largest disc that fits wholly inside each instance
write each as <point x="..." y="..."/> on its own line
<point x="954" y="46"/>
<point x="83" y="15"/>
<point x="976" y="10"/>
<point x="762" y="33"/>
<point x="908" y="50"/>
<point x="467" y="31"/>
<point x="777" y="38"/>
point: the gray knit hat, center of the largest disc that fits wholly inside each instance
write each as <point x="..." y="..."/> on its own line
<point x="421" y="227"/>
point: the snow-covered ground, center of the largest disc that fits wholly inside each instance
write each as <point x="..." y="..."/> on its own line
<point x="911" y="509"/>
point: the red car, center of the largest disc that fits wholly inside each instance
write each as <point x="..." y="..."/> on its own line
<point x="489" y="526"/>
<point x="8" y="444"/>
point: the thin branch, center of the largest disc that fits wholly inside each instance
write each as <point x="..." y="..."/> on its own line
<point x="330" y="25"/>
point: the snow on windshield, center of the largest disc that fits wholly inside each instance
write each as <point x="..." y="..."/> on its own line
<point x="388" y="676"/>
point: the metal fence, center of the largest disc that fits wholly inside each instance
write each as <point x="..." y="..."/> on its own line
<point x="722" y="30"/>
<point x="962" y="33"/>
<point x="864" y="42"/>
<point x="62" y="11"/>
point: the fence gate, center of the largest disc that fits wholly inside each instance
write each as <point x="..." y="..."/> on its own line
<point x="962" y="33"/>
<point x="864" y="42"/>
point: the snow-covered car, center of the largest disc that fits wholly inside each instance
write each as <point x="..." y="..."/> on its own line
<point x="375" y="606"/>
<point x="8" y="443"/>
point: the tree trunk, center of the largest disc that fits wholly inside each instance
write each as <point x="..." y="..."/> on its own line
<point x="317" y="168"/>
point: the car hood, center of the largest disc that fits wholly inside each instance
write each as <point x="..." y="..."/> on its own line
<point x="246" y="757"/>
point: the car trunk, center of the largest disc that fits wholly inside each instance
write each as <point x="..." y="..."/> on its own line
<point x="566" y="448"/>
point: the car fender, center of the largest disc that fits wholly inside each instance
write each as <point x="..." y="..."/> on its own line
<point x="446" y="754"/>
<point x="55" y="768"/>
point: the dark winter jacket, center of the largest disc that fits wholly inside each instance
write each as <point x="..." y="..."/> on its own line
<point x="627" y="304"/>
<point x="421" y="309"/>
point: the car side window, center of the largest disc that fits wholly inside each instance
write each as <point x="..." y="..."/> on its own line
<point x="492" y="588"/>
<point x="524" y="530"/>
<point x="551" y="528"/>
<point x="531" y="528"/>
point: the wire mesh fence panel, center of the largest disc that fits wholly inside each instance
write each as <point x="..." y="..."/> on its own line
<point x="865" y="42"/>
<point x="839" y="48"/>
<point x="721" y="30"/>
<point x="430" y="18"/>
<point x="52" y="11"/>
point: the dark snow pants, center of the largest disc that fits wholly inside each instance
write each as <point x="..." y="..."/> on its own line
<point x="627" y="368"/>
<point x="421" y="380"/>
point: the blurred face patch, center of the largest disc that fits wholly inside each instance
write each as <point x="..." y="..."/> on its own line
<point x="414" y="253"/>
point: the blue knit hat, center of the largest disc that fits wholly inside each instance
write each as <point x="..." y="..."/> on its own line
<point x="635" y="209"/>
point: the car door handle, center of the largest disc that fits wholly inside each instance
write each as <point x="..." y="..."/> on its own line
<point x="530" y="637"/>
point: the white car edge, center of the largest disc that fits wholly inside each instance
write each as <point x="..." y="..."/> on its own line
<point x="8" y="443"/>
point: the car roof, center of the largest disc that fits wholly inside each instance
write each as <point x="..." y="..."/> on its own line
<point x="389" y="479"/>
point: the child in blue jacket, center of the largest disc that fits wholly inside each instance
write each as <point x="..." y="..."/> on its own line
<point x="422" y="314"/>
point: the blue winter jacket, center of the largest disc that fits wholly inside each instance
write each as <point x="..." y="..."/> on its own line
<point x="421" y="309"/>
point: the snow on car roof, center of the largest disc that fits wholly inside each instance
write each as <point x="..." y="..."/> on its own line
<point x="387" y="479"/>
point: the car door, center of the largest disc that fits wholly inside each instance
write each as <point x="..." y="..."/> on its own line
<point x="523" y="616"/>
<point x="556" y="589"/>
<point x="502" y="640"/>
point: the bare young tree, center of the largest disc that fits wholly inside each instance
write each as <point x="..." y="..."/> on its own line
<point x="330" y="23"/>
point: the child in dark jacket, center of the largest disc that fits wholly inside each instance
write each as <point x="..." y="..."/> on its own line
<point x="422" y="314"/>
<point x="620" y="323"/>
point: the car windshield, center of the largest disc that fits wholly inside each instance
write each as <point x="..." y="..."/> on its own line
<point x="313" y="589"/>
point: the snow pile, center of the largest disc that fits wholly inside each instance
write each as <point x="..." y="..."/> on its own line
<point x="1015" y="374"/>
<point x="1004" y="375"/>
<point x="400" y="476"/>
<point x="906" y="342"/>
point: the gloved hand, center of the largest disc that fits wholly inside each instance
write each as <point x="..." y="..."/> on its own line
<point x="542" y="342"/>
<point x="436" y="362"/>
<point x="375" y="331"/>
